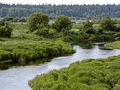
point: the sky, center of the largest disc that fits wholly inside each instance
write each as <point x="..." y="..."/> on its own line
<point x="61" y="1"/>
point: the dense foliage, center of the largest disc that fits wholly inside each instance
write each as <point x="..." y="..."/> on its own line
<point x="100" y="74"/>
<point x="37" y="20"/>
<point x="5" y="29"/>
<point x="106" y="30"/>
<point x="107" y="24"/>
<point x="81" y="11"/>
<point x="88" y="27"/>
<point x="62" y="23"/>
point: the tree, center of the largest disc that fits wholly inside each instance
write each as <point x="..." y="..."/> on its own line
<point x="37" y="21"/>
<point x="5" y="30"/>
<point x="107" y="24"/>
<point x="62" y="23"/>
<point x="88" y="27"/>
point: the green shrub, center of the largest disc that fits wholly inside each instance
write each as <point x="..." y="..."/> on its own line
<point x="88" y="27"/>
<point x="5" y="30"/>
<point x="37" y="21"/>
<point x="44" y="32"/>
<point x="62" y="23"/>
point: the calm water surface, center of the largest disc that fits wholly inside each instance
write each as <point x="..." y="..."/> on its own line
<point x="16" y="78"/>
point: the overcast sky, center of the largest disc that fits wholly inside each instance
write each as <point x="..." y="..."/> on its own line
<point x="61" y="1"/>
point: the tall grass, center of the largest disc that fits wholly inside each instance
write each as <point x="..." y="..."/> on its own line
<point x="100" y="74"/>
<point x="22" y="51"/>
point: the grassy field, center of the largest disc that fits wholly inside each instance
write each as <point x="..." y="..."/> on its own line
<point x="100" y="74"/>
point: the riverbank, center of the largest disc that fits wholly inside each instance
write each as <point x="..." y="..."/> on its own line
<point x="25" y="52"/>
<point x="114" y="45"/>
<point x="91" y="74"/>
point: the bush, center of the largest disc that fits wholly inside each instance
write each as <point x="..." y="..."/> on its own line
<point x="44" y="32"/>
<point x="107" y="24"/>
<point x="88" y="27"/>
<point x="37" y="21"/>
<point x="62" y="23"/>
<point x="5" y="30"/>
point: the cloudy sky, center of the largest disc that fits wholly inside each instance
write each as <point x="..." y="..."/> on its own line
<point x="61" y="1"/>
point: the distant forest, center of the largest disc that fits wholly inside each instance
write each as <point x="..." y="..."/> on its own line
<point x="79" y="11"/>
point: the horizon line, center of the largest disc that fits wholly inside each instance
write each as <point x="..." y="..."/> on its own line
<point x="55" y="4"/>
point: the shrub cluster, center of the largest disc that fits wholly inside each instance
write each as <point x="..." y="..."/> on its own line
<point x="5" y="30"/>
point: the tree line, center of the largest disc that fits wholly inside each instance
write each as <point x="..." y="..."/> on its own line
<point x="79" y="11"/>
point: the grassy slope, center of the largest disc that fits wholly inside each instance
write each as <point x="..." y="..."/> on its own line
<point x="23" y="47"/>
<point x="115" y="45"/>
<point x="100" y="74"/>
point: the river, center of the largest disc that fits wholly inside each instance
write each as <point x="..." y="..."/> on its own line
<point x="16" y="78"/>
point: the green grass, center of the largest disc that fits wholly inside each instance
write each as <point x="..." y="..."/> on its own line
<point x="114" y="45"/>
<point x="100" y="74"/>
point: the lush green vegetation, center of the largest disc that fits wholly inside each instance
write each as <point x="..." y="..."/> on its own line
<point x="26" y="48"/>
<point x="37" y="21"/>
<point x="23" y="51"/>
<point x="99" y="74"/>
<point x="88" y="31"/>
<point x="62" y="23"/>
<point x="114" y="45"/>
<point x="39" y="39"/>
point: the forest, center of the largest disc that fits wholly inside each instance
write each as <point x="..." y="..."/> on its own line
<point x="73" y="11"/>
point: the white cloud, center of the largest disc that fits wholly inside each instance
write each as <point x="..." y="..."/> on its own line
<point x="62" y="1"/>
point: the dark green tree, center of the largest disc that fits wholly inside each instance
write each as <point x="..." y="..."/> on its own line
<point x="107" y="24"/>
<point x="37" y="21"/>
<point x="88" y="27"/>
<point x="62" y="23"/>
<point x="5" y="30"/>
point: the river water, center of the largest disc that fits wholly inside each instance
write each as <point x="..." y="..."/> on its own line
<point x="16" y="78"/>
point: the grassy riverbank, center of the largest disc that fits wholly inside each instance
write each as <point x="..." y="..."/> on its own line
<point x="114" y="45"/>
<point x="100" y="74"/>
<point x="21" y="52"/>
